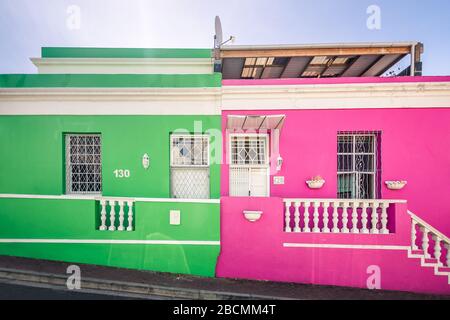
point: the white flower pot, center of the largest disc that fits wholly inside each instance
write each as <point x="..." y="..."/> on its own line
<point x="252" y="216"/>
<point x="395" y="185"/>
<point x="315" y="184"/>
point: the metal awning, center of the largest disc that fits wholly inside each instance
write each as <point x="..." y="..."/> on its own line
<point x="255" y="122"/>
<point x="317" y="60"/>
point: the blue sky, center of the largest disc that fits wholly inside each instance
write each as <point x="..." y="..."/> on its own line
<point x="27" y="25"/>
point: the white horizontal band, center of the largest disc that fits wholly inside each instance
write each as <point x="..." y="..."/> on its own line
<point x="96" y="241"/>
<point x="99" y="197"/>
<point x="344" y="246"/>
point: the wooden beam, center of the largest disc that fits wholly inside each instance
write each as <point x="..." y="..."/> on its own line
<point x="310" y="52"/>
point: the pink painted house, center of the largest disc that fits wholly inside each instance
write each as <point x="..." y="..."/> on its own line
<point x="332" y="174"/>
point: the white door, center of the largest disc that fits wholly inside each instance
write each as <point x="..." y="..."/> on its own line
<point x="249" y="165"/>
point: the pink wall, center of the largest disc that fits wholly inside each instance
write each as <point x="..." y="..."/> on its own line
<point x="254" y="250"/>
<point x="415" y="147"/>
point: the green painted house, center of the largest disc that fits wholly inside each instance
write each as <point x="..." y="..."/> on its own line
<point x="112" y="157"/>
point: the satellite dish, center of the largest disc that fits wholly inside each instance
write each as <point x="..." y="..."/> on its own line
<point x="218" y="38"/>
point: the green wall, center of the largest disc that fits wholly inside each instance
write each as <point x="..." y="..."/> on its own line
<point x="77" y="219"/>
<point x="32" y="152"/>
<point x="110" y="80"/>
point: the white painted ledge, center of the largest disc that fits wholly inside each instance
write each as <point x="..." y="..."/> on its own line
<point x="99" y="197"/>
<point x="124" y="65"/>
<point x="99" y="241"/>
<point x="345" y="246"/>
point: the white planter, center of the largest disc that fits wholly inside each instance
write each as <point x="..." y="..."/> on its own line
<point x="395" y="185"/>
<point x="315" y="184"/>
<point x="252" y="216"/>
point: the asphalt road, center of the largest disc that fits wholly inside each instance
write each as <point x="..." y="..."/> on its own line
<point x="19" y="292"/>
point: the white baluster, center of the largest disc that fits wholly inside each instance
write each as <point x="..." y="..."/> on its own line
<point x="316" y="216"/>
<point x="112" y="215"/>
<point x="121" y="216"/>
<point x="345" y="218"/>
<point x="384" y="218"/>
<point x="355" y="217"/>
<point x="287" y="217"/>
<point x="414" y="235"/>
<point x="437" y="249"/>
<point x="364" y="217"/>
<point x="335" y="217"/>
<point x="374" y="219"/>
<point x="130" y="216"/>
<point x="306" y="217"/>
<point x="297" y="216"/>
<point x="425" y="242"/>
<point x="325" y="228"/>
<point x="103" y="214"/>
<point x="447" y="246"/>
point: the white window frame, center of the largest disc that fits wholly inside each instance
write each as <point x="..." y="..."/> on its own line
<point x="193" y="166"/>
<point x="374" y="154"/>
<point x="175" y="135"/>
<point x="266" y="165"/>
<point x="68" y="164"/>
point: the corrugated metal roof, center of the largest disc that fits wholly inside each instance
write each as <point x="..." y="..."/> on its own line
<point x="314" y="60"/>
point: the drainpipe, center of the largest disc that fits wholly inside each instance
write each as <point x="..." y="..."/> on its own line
<point x="413" y="60"/>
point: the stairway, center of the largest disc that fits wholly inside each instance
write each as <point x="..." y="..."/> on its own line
<point x="430" y="246"/>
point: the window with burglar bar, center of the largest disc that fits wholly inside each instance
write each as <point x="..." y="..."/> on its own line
<point x="189" y="166"/>
<point x="83" y="163"/>
<point x="249" y="165"/>
<point x="358" y="165"/>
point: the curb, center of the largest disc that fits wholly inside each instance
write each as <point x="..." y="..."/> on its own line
<point x="120" y="288"/>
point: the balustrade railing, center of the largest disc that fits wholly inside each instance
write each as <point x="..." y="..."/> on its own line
<point x="432" y="243"/>
<point x="116" y="214"/>
<point x="337" y="215"/>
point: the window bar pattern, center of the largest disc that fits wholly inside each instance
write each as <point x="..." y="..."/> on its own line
<point x="359" y="165"/>
<point x="190" y="150"/>
<point x="83" y="163"/>
<point x="248" y="150"/>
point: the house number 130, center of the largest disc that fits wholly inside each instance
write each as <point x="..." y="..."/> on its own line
<point x="122" y="173"/>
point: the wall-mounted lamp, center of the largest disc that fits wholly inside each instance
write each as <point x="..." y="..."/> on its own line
<point x="279" y="163"/>
<point x="145" y="161"/>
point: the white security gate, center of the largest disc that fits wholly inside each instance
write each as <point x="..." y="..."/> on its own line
<point x="250" y="182"/>
<point x="190" y="183"/>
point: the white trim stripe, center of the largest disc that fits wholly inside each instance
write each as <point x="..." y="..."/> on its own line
<point x="98" y="197"/>
<point x="110" y="101"/>
<point x="99" y="241"/>
<point x="344" y="246"/>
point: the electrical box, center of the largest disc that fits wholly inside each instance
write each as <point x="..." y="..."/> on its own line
<point x="278" y="180"/>
<point x="175" y="217"/>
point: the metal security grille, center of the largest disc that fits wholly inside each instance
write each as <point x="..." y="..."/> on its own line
<point x="358" y="165"/>
<point x="83" y="163"/>
<point x="248" y="150"/>
<point x="249" y="165"/>
<point x="189" y="172"/>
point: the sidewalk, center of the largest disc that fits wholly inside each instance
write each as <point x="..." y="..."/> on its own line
<point x="147" y="284"/>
